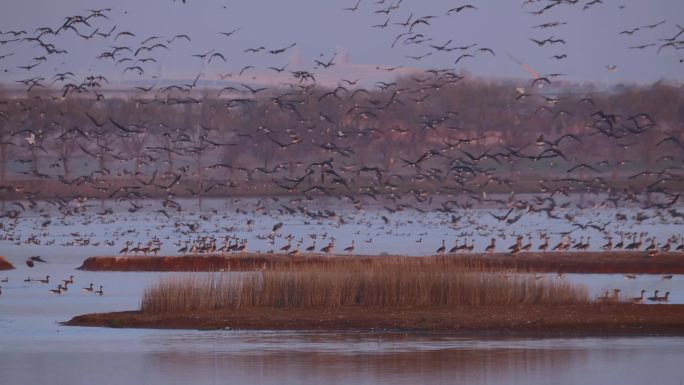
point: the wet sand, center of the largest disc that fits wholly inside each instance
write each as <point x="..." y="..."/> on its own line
<point x="573" y="320"/>
<point x="610" y="262"/>
<point x="4" y="264"/>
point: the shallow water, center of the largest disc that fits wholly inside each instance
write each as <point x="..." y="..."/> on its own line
<point x="35" y="349"/>
<point x="374" y="230"/>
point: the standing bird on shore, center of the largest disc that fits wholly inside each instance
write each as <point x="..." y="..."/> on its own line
<point x="125" y="249"/>
<point x="442" y="248"/>
<point x="350" y="249"/>
<point x="609" y="245"/>
<point x="544" y="246"/>
<point x="492" y="246"/>
<point x="329" y="248"/>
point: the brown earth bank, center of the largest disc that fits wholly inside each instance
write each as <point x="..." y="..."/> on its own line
<point x="573" y="320"/>
<point x="4" y="264"/>
<point x="613" y="262"/>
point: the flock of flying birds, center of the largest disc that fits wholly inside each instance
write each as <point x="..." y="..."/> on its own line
<point x="315" y="156"/>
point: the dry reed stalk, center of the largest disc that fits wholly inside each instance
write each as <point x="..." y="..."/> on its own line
<point x="392" y="283"/>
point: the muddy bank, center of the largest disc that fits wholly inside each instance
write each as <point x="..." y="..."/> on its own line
<point x="614" y="262"/>
<point x="593" y="319"/>
<point x="4" y="264"/>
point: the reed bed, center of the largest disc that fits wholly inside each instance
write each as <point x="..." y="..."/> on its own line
<point x="389" y="283"/>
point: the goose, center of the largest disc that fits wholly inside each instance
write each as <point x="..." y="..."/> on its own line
<point x="89" y="288"/>
<point x="64" y="287"/>
<point x="146" y="249"/>
<point x="5" y="279"/>
<point x="455" y="248"/>
<point x="653" y="246"/>
<point x="666" y="247"/>
<point x="441" y="249"/>
<point x="492" y="246"/>
<point x="620" y="244"/>
<point x="70" y="280"/>
<point x="470" y="247"/>
<point x="528" y="246"/>
<point x="58" y="290"/>
<point x="654" y="298"/>
<point x="99" y="292"/>
<point x="157" y="247"/>
<point x="287" y="247"/>
<point x="46" y="280"/>
<point x="635" y="245"/>
<point x="609" y="245"/>
<point x="630" y="276"/>
<point x="667" y="276"/>
<point x="638" y="299"/>
<point x="515" y="248"/>
<point x="311" y="248"/>
<point x="183" y="249"/>
<point x="226" y="245"/>
<point x="544" y="245"/>
<point x="585" y="245"/>
<point x="36" y="258"/>
<point x="350" y="249"/>
<point x="603" y="297"/>
<point x="664" y="298"/>
<point x="560" y="245"/>
<point x="578" y="245"/>
<point x="242" y="247"/>
<point x="125" y="249"/>
<point x="608" y="297"/>
<point x="294" y="252"/>
<point x="681" y="246"/>
<point x="135" y="250"/>
<point x="328" y="249"/>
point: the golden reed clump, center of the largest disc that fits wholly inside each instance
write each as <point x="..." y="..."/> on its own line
<point x="390" y="282"/>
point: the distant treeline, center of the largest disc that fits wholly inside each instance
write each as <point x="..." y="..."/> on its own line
<point x="435" y="129"/>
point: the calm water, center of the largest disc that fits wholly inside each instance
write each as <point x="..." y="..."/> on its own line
<point x="35" y="349"/>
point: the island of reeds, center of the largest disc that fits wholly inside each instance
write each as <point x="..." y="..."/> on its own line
<point x="605" y="262"/>
<point x="406" y="294"/>
<point x="4" y="264"/>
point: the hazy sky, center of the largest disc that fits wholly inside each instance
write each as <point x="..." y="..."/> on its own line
<point x="322" y="27"/>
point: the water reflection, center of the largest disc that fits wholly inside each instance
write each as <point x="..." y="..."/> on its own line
<point x="232" y="359"/>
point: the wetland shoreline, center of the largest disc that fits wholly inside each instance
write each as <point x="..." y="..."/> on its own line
<point x="519" y="320"/>
<point x="608" y="262"/>
<point x="5" y="265"/>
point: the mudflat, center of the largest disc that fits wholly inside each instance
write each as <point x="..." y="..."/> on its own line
<point x="591" y="319"/>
